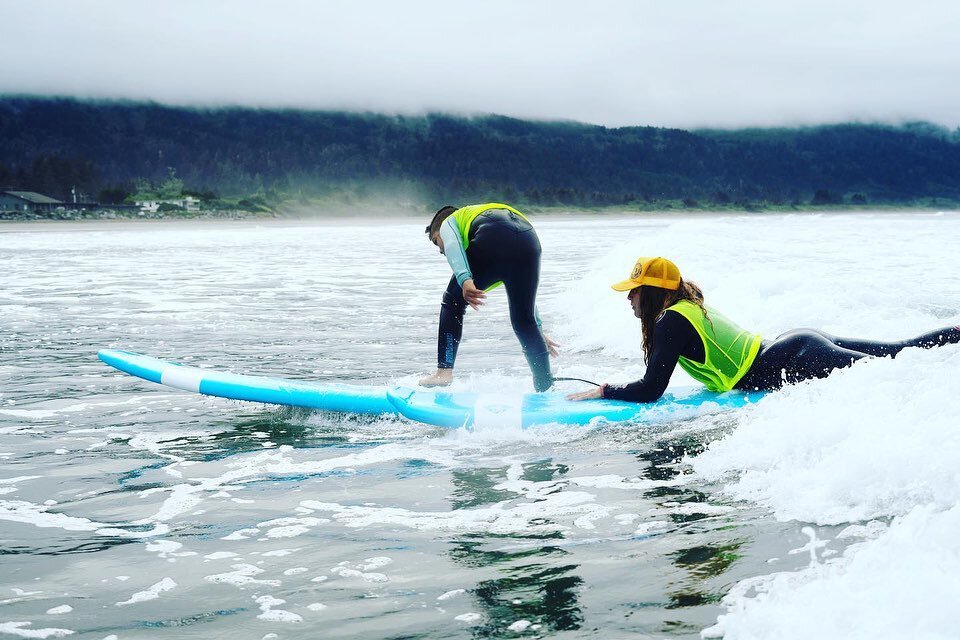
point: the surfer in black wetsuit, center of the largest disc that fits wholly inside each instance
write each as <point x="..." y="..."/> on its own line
<point x="679" y="329"/>
<point x="488" y="245"/>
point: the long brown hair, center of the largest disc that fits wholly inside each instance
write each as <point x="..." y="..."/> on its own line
<point x="655" y="300"/>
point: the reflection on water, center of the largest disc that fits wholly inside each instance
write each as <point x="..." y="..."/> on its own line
<point x="700" y="562"/>
<point x="532" y="592"/>
<point x="474" y="487"/>
<point x="65" y="548"/>
<point x="663" y="456"/>
<point x="543" y="592"/>
<point x="707" y="561"/>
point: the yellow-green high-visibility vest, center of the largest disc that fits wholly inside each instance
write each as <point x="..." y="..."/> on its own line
<point x="728" y="350"/>
<point x="465" y="216"/>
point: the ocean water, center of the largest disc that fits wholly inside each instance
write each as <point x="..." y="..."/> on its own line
<point x="128" y="510"/>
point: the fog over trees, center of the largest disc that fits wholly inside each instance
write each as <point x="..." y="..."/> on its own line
<point x="111" y="150"/>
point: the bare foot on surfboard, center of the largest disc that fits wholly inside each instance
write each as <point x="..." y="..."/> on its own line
<point x="442" y="378"/>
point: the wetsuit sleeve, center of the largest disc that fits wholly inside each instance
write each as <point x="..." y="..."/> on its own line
<point x="453" y="249"/>
<point x="451" y="325"/>
<point x="671" y="339"/>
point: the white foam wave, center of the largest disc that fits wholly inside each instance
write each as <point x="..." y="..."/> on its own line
<point x="60" y="407"/>
<point x="873" y="440"/>
<point x="269" y="613"/>
<point x="499" y="518"/>
<point x="241" y="576"/>
<point x="151" y="593"/>
<point x="184" y="497"/>
<point x="877" y="440"/>
<point x="39" y="516"/>
<point x="20" y="629"/>
<point x="903" y="584"/>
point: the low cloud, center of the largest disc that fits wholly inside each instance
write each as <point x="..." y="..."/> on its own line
<point x="687" y="64"/>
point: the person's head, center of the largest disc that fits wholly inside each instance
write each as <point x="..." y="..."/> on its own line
<point x="654" y="285"/>
<point x="433" y="229"/>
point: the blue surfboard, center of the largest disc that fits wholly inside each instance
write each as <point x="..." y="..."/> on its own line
<point x="349" y="398"/>
<point x="461" y="409"/>
<point x="439" y="408"/>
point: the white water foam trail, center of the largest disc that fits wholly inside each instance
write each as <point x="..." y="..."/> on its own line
<point x="878" y="440"/>
<point x="851" y="447"/>
<point x="186" y="496"/>
<point x="904" y="584"/>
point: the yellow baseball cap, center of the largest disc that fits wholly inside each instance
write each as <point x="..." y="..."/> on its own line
<point x="656" y="272"/>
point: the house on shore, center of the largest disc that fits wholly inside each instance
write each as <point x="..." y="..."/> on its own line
<point x="28" y="201"/>
<point x="187" y="203"/>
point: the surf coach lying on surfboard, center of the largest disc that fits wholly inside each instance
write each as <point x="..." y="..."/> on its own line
<point x="488" y="245"/>
<point x="679" y="328"/>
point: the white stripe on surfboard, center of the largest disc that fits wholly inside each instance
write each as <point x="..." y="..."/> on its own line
<point x="186" y="378"/>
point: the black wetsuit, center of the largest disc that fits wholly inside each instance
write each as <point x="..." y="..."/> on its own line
<point x="800" y="354"/>
<point x="503" y="247"/>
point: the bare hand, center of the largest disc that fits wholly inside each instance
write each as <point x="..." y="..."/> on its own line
<point x="592" y="394"/>
<point x="441" y="378"/>
<point x="474" y="297"/>
<point x="552" y="346"/>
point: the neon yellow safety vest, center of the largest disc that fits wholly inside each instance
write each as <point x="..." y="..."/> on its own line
<point x="465" y="216"/>
<point x="728" y="350"/>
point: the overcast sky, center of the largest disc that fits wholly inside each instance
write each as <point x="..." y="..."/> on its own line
<point x="682" y="63"/>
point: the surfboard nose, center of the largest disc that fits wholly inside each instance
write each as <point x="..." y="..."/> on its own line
<point x="133" y="363"/>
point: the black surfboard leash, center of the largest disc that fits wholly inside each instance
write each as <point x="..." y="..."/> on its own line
<point x="575" y="380"/>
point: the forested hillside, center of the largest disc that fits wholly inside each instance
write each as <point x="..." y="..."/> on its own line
<point x="110" y="150"/>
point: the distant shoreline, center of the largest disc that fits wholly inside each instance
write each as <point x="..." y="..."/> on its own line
<point x="110" y="214"/>
<point x="17" y="221"/>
